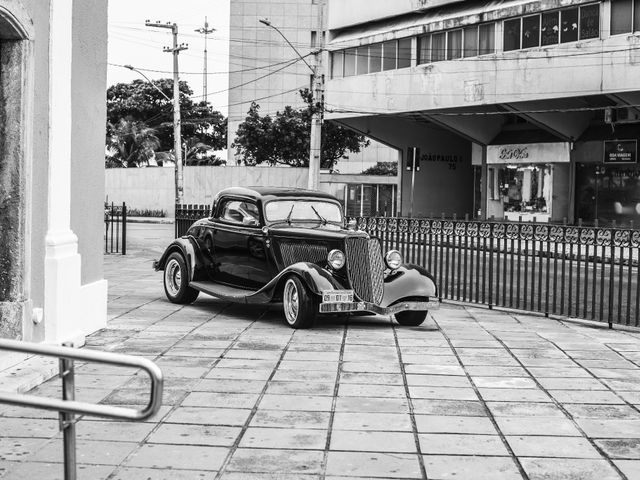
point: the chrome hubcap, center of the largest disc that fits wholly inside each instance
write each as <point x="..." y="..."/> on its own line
<point x="173" y="277"/>
<point x="290" y="301"/>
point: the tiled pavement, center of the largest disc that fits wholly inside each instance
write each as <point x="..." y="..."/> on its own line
<point x="488" y="395"/>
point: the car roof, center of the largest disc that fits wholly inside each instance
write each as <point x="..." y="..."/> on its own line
<point x="269" y="193"/>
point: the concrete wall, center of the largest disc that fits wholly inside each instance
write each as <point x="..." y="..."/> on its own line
<point x="89" y="119"/>
<point x="153" y="188"/>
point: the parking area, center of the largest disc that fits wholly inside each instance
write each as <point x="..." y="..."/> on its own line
<point x="472" y="394"/>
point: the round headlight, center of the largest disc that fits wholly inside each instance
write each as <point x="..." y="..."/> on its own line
<point x="393" y="259"/>
<point x="336" y="259"/>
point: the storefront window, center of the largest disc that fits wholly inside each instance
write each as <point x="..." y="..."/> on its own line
<point x="526" y="189"/>
<point x="608" y="193"/>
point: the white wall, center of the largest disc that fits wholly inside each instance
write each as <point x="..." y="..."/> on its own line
<point x="153" y="188"/>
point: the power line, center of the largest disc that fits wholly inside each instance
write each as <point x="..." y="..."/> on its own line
<point x="215" y="73"/>
<point x="468" y="114"/>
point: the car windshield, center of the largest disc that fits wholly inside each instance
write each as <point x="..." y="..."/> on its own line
<point x="302" y="210"/>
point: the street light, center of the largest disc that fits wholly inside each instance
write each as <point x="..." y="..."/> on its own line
<point x="148" y="80"/>
<point x="316" y="118"/>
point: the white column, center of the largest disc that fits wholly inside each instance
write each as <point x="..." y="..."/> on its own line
<point x="62" y="261"/>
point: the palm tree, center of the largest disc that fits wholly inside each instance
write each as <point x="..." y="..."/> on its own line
<point x="131" y="143"/>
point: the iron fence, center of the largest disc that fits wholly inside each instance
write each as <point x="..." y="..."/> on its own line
<point x="584" y="272"/>
<point x="578" y="271"/>
<point x="186" y="215"/>
<point x="115" y="228"/>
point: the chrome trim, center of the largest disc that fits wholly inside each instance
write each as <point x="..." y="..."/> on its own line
<point x="372" y="308"/>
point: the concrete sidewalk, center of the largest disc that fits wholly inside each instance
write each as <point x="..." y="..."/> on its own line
<point x="489" y="395"/>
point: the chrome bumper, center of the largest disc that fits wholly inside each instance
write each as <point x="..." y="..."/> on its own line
<point x="370" y="307"/>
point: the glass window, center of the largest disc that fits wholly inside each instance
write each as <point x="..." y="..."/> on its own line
<point x="590" y="21"/>
<point x="244" y="213"/>
<point x="375" y="58"/>
<point x="350" y="62"/>
<point x="511" y="35"/>
<point x="337" y="64"/>
<point x="302" y="210"/>
<point x="550" y="28"/>
<point x="526" y="188"/>
<point x="569" y="25"/>
<point x="621" y="16"/>
<point x="531" y="31"/>
<point x="389" y="53"/>
<point x="487" y="38"/>
<point x="438" y="47"/>
<point x="636" y="15"/>
<point x="362" y="64"/>
<point x="471" y="41"/>
<point x="454" y="44"/>
<point x="404" y="53"/>
<point x="424" y="49"/>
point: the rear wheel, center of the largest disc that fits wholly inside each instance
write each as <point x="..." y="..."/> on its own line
<point x="412" y="318"/>
<point x="300" y="307"/>
<point x="176" y="281"/>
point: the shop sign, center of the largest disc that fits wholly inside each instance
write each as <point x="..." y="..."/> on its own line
<point x="620" y="151"/>
<point x="528" y="153"/>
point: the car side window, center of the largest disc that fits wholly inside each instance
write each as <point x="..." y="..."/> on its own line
<point x="240" y="212"/>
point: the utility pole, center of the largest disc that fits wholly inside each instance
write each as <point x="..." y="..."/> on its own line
<point x="315" y="152"/>
<point x="177" y="137"/>
<point x="205" y="31"/>
<point x="317" y="102"/>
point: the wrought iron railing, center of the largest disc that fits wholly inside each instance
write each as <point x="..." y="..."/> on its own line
<point x="585" y="272"/>
<point x="186" y="215"/>
<point x="115" y="228"/>
<point x="68" y="407"/>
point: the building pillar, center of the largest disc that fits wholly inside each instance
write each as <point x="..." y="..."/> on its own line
<point x="62" y="261"/>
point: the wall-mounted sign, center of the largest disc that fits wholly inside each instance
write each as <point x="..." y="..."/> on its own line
<point x="529" y="153"/>
<point x="620" y="151"/>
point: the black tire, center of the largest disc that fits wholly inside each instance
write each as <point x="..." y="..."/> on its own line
<point x="300" y="305"/>
<point x="412" y="318"/>
<point x="176" y="281"/>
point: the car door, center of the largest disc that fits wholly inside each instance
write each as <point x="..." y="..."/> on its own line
<point x="239" y="245"/>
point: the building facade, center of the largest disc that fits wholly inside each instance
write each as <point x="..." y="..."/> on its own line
<point x="517" y="109"/>
<point x="53" y="63"/>
<point x="265" y="69"/>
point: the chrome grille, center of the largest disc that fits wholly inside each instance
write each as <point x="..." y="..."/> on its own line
<point x="365" y="268"/>
<point x="294" y="252"/>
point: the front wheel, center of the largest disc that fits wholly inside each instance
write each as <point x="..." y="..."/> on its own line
<point x="412" y="318"/>
<point x="299" y="304"/>
<point x="176" y="281"/>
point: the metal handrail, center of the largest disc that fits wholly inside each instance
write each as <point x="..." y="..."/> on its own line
<point x="84" y="408"/>
<point x="68" y="407"/>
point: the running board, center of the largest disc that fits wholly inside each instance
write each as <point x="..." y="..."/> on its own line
<point x="231" y="294"/>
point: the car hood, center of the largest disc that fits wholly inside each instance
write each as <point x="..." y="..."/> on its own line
<point x="313" y="231"/>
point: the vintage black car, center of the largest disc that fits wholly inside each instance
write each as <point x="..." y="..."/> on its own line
<point x="269" y="245"/>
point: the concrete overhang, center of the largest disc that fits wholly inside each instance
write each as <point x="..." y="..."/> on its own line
<point x="344" y="14"/>
<point x="564" y="119"/>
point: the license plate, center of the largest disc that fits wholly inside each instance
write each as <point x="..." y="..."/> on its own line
<point x="337" y="296"/>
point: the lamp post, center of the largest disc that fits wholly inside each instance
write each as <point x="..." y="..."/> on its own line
<point x="318" y="94"/>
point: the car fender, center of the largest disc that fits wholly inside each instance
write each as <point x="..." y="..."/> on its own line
<point x="316" y="278"/>
<point x="408" y="281"/>
<point x="188" y="247"/>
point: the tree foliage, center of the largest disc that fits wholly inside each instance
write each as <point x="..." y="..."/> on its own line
<point x="285" y="138"/>
<point x="140" y="101"/>
<point x="383" y="168"/>
<point x="130" y="143"/>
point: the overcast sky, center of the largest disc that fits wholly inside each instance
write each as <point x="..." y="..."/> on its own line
<point x="131" y="43"/>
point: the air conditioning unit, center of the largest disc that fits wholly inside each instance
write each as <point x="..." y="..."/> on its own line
<point x="621" y="115"/>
